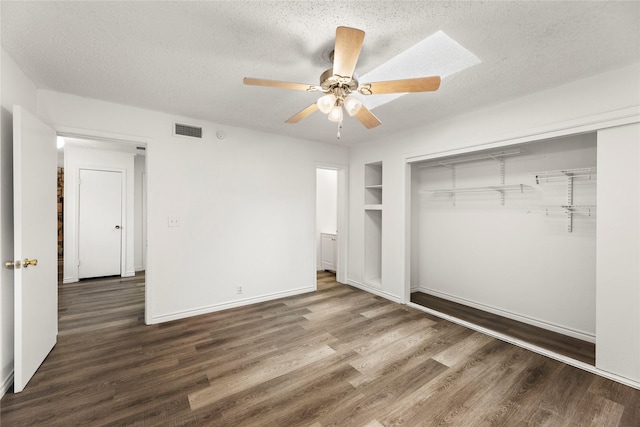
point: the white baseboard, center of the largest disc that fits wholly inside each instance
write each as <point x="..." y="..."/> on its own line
<point x="70" y="280"/>
<point x="581" y="335"/>
<point x="373" y="290"/>
<point x="227" y="305"/>
<point x="129" y="273"/>
<point x="6" y="384"/>
<point x="528" y="346"/>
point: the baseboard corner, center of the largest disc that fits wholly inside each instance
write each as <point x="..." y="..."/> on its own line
<point x="6" y="384"/>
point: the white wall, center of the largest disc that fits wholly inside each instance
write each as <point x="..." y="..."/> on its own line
<point x="618" y="256"/>
<point x="15" y="88"/>
<point x="246" y="204"/>
<point x="327" y="207"/>
<point x="76" y="158"/>
<point x="522" y="266"/>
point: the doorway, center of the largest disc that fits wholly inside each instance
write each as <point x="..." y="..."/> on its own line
<point x="331" y="218"/>
<point x="114" y="170"/>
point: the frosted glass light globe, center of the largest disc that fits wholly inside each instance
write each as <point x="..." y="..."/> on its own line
<point x="326" y="103"/>
<point x="352" y="105"/>
<point x="335" y="115"/>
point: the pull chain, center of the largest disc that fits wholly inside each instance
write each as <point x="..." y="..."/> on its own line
<point x="339" y="126"/>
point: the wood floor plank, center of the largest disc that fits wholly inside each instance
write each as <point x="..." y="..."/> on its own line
<point x="224" y="385"/>
<point x="450" y="386"/>
<point x="379" y="394"/>
<point x="601" y="412"/>
<point x="519" y="405"/>
<point x="335" y="357"/>
<point x="458" y="352"/>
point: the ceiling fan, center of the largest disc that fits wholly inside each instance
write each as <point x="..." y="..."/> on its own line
<point x="340" y="81"/>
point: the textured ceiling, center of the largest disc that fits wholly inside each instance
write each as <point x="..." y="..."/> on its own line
<point x="189" y="58"/>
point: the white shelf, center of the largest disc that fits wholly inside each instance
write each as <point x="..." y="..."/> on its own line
<point x="498" y="155"/>
<point x="498" y="188"/>
<point x="564" y="209"/>
<point x="588" y="173"/>
<point x="372" y="207"/>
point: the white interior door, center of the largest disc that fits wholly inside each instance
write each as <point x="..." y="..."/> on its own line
<point x="35" y="244"/>
<point x="99" y="223"/>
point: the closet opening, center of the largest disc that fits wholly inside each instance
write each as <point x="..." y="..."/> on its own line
<point x="505" y="240"/>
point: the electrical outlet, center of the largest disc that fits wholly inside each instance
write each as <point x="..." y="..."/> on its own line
<point x="239" y="290"/>
<point x="173" y="221"/>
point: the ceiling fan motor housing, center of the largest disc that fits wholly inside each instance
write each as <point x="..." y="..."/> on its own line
<point x="330" y="81"/>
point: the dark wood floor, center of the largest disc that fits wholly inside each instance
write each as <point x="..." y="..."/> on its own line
<point x="568" y="346"/>
<point x="335" y="357"/>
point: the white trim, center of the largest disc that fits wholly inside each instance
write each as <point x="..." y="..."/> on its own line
<point x="571" y="127"/>
<point x="528" y="346"/>
<point x="224" y="306"/>
<point x="581" y="335"/>
<point x="408" y="214"/>
<point x="73" y="132"/>
<point x="375" y="291"/>
<point x="6" y="384"/>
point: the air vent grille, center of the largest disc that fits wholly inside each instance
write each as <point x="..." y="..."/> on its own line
<point x="187" y="130"/>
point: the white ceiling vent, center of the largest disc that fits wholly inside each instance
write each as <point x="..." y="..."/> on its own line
<point x="181" y="129"/>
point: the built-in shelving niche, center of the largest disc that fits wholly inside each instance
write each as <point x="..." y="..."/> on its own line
<point x="473" y="241"/>
<point x="372" y="274"/>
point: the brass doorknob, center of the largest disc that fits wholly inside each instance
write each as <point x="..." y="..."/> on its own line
<point x="27" y="262"/>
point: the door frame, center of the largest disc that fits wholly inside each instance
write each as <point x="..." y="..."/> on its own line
<point x="123" y="214"/>
<point x="96" y="135"/>
<point x="342" y="214"/>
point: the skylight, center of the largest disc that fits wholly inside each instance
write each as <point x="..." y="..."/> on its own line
<point x="437" y="55"/>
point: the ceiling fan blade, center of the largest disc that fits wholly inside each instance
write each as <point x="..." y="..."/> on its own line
<point x="420" y="84"/>
<point x="302" y="114"/>
<point x="347" y="50"/>
<point x="276" y="83"/>
<point x="367" y="118"/>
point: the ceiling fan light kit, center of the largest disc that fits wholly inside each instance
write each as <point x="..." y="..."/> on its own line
<point x="340" y="81"/>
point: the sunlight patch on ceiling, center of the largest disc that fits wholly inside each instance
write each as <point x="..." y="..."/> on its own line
<point x="437" y="55"/>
